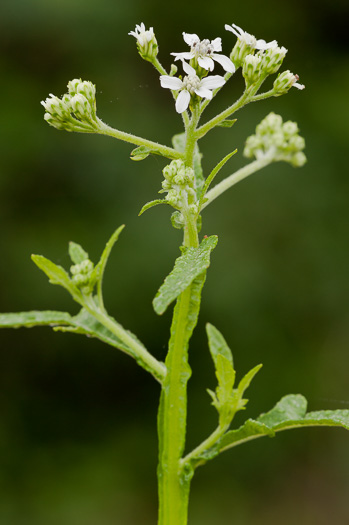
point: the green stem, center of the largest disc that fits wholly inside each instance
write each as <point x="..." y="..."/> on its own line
<point x="157" y="148"/>
<point x="205" y="445"/>
<point x="243" y="100"/>
<point x="144" y="358"/>
<point x="234" y="178"/>
<point x="174" y="477"/>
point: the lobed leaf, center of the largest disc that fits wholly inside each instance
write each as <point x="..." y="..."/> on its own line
<point x="288" y="413"/>
<point x="187" y="267"/>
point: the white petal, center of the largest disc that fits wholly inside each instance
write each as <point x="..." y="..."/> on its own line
<point x="204" y="92"/>
<point x="170" y="82"/>
<point x="298" y="86"/>
<point x="182" y="101"/>
<point x="262" y="44"/>
<point x="183" y="56"/>
<point x="217" y="44"/>
<point x="234" y="29"/>
<point x="212" y="82"/>
<point x="190" y="38"/>
<point x="188" y="69"/>
<point x="206" y="63"/>
<point x="225" y="62"/>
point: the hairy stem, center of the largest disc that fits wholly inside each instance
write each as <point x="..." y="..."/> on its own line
<point x="174" y="477"/>
<point x="157" y="148"/>
<point x="235" y="178"/>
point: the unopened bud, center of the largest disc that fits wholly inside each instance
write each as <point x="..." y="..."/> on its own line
<point x="285" y="81"/>
<point x="272" y="59"/>
<point x="251" y="69"/>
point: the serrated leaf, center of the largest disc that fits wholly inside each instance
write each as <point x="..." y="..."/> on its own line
<point x="140" y="153"/>
<point x="289" y="408"/>
<point x="288" y="413"/>
<point x="227" y="123"/>
<point x="151" y="204"/>
<point x="33" y="318"/>
<point x="217" y="344"/>
<point x="57" y="275"/>
<point x="77" y="253"/>
<point x="179" y="142"/>
<point x="187" y="267"/>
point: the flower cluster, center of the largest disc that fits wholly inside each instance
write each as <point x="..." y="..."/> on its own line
<point x="179" y="184"/>
<point x="76" y="110"/>
<point x="84" y="276"/>
<point x="276" y="140"/>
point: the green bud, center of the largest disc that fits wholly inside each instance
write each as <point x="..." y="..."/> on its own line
<point x="298" y="159"/>
<point x="285" y="81"/>
<point x="251" y="69"/>
<point x="272" y="59"/>
<point x="84" y="276"/>
<point x="240" y="51"/>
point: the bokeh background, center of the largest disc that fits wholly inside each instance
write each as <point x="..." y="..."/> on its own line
<point x="78" y="442"/>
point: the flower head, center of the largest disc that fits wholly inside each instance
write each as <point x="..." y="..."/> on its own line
<point x="250" y="40"/>
<point x="190" y="85"/>
<point x="277" y="140"/>
<point x="205" y="52"/>
<point x="146" y="42"/>
<point x="246" y="44"/>
<point x="284" y="81"/>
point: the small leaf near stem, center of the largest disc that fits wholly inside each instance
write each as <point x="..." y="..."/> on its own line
<point x="233" y="179"/>
<point x="211" y="176"/>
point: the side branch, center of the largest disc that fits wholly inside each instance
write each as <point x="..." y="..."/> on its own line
<point x="157" y="148"/>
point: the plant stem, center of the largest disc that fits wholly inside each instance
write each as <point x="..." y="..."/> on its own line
<point x="234" y="178"/>
<point x="173" y="477"/>
<point x="144" y="358"/>
<point x="157" y="148"/>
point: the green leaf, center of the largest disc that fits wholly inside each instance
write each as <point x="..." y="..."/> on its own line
<point x="100" y="267"/>
<point x="179" y="143"/>
<point x="227" y="123"/>
<point x="212" y="175"/>
<point x="288" y="413"/>
<point x="151" y="204"/>
<point x="33" y="318"/>
<point x="57" y="275"/>
<point x="217" y="344"/>
<point x="85" y="323"/>
<point x="141" y="153"/>
<point x="77" y="253"/>
<point x="246" y="380"/>
<point x="187" y="267"/>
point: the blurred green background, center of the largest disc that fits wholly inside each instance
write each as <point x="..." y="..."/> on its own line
<point x="78" y="442"/>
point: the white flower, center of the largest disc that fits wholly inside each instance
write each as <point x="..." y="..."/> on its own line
<point x="250" y="40"/>
<point x="142" y="35"/>
<point x="191" y="84"/>
<point x="205" y="53"/>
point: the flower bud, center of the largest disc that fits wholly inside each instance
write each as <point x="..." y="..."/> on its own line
<point x="272" y="59"/>
<point x="251" y="69"/>
<point x="241" y="50"/>
<point x="285" y="81"/>
<point x="146" y="42"/>
<point x="83" y="276"/>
